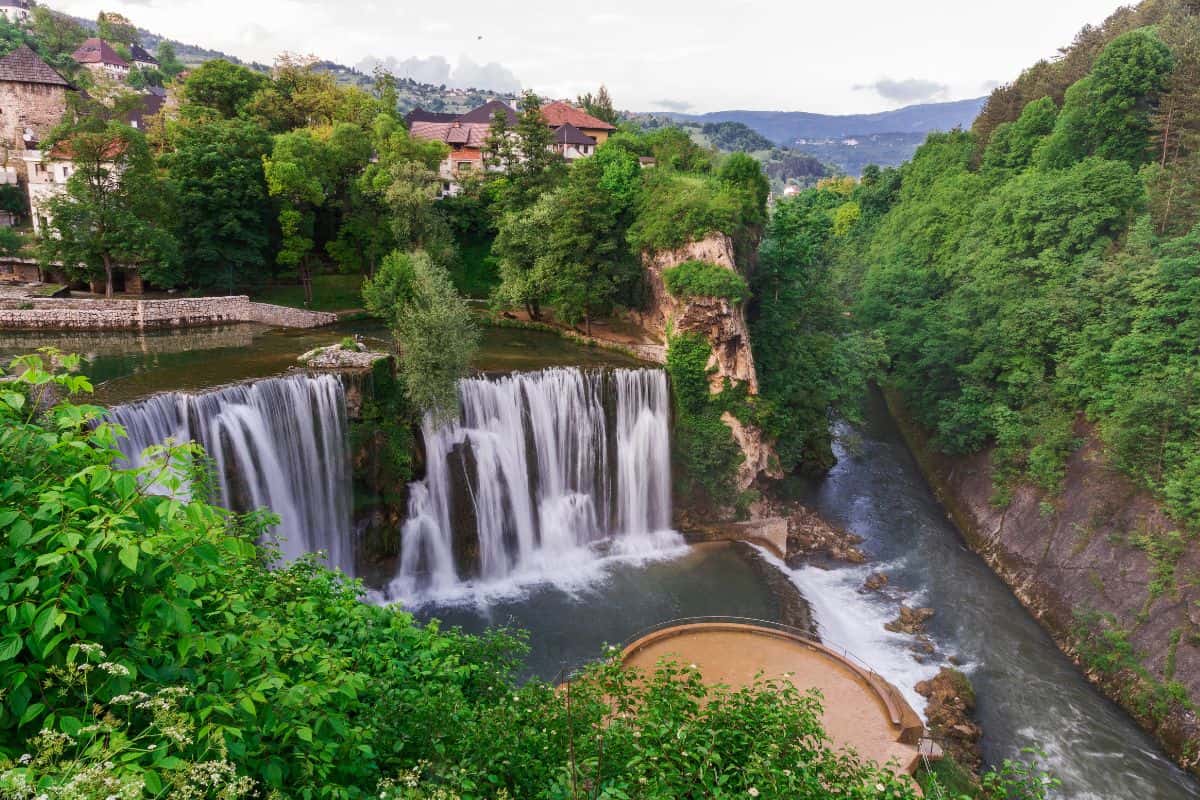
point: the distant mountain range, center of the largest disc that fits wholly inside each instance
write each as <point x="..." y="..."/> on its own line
<point x="786" y="127"/>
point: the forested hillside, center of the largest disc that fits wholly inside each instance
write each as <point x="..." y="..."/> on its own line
<point x="1045" y="264"/>
<point x="1036" y="284"/>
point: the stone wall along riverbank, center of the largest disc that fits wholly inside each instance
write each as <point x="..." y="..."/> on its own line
<point x="110" y="315"/>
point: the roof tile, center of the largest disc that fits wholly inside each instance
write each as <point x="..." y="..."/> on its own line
<point x="25" y="66"/>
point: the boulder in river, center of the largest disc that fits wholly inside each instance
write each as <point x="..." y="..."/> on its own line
<point x="911" y="620"/>
<point x="949" y="714"/>
<point x="876" y="582"/>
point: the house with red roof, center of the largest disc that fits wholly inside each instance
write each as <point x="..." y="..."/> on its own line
<point x="99" y="57"/>
<point x="558" y="114"/>
<point x="577" y="134"/>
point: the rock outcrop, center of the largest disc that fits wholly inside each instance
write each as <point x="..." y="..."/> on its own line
<point x="724" y="325"/>
<point x="722" y="322"/>
<point x="1086" y="562"/>
<point x="949" y="714"/>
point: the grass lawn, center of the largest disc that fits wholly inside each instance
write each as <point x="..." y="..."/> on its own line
<point x="476" y="274"/>
<point x="330" y="293"/>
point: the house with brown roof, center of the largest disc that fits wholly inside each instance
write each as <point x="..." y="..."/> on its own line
<point x="577" y="134"/>
<point x="467" y="142"/>
<point x="33" y="100"/>
<point x="558" y="114"/>
<point x="100" y="58"/>
<point x="141" y="57"/>
<point x="572" y="143"/>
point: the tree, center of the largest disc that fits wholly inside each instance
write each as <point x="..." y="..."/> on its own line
<point x="295" y="172"/>
<point x="434" y="329"/>
<point x="168" y="61"/>
<point x="222" y="216"/>
<point x="58" y="37"/>
<point x="811" y="364"/>
<point x="600" y="105"/>
<point x="387" y="91"/>
<point x="744" y="175"/>
<point x="116" y="29"/>
<point x="298" y="95"/>
<point x="223" y="87"/>
<point x="113" y="211"/>
<point x="534" y="166"/>
<point x="1107" y="113"/>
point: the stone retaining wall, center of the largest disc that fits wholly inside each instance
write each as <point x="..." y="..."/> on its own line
<point x="94" y="315"/>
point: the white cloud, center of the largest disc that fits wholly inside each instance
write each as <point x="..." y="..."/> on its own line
<point x="737" y="54"/>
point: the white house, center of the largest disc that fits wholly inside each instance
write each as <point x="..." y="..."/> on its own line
<point x="142" y="58"/>
<point x="98" y="56"/>
<point x="15" y="10"/>
<point x="572" y="143"/>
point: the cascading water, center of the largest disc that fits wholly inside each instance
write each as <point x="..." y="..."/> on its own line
<point x="279" y="444"/>
<point x="533" y="475"/>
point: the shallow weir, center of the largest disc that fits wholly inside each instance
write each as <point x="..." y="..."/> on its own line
<point x="279" y="443"/>
<point x="543" y="476"/>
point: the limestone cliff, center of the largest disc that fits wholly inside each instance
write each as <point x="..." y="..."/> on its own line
<point x="1092" y="553"/>
<point x="724" y="325"/>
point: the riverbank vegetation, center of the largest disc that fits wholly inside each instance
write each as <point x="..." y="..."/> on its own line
<point x="149" y="647"/>
<point x="1034" y="282"/>
<point x="1044" y="265"/>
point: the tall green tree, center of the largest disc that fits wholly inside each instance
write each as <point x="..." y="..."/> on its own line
<point x="600" y="105"/>
<point x="295" y="173"/>
<point x="435" y="331"/>
<point x="223" y="87"/>
<point x="168" y="60"/>
<point x="113" y="213"/>
<point x="222" y="209"/>
<point x="1108" y="113"/>
<point x="116" y="29"/>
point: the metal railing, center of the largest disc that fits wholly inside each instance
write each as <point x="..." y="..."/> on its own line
<point x="791" y="630"/>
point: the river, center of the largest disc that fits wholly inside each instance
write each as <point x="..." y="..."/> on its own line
<point x="1029" y="694"/>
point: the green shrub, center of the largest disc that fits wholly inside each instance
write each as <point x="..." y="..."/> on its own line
<point x="676" y="209"/>
<point x="707" y="458"/>
<point x="704" y="279"/>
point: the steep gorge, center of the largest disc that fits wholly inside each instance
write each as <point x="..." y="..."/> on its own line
<point x="1084" y="564"/>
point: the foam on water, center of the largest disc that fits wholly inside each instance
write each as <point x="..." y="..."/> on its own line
<point x="853" y="621"/>
<point x="538" y="483"/>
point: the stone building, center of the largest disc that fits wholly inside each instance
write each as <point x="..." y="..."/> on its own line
<point x="15" y="11"/>
<point x="33" y="99"/>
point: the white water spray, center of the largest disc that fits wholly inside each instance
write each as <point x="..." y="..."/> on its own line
<point x="533" y="477"/>
<point x="279" y="444"/>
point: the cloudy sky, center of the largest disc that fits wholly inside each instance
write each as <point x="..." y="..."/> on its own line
<point x="701" y="55"/>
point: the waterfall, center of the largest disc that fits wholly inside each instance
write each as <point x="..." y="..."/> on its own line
<point x="279" y="444"/>
<point x="533" y="476"/>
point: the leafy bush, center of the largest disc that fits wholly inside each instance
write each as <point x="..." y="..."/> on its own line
<point x="704" y="279"/>
<point x="706" y="455"/>
<point x="676" y="209"/>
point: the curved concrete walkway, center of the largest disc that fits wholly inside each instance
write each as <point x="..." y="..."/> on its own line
<point x="862" y="710"/>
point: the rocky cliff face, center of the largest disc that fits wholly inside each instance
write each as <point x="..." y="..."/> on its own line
<point x="1092" y="556"/>
<point x="724" y="325"/>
